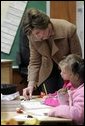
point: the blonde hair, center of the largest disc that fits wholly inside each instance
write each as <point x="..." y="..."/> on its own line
<point x="68" y="61"/>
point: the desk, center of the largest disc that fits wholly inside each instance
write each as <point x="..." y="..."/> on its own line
<point x="47" y="120"/>
<point x="6" y="71"/>
<point x="43" y="120"/>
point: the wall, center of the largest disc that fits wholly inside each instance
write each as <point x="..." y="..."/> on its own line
<point x="80" y="22"/>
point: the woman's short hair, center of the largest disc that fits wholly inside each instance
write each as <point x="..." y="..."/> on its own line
<point x="34" y="18"/>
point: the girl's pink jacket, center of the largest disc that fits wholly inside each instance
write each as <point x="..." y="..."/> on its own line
<point x="75" y="109"/>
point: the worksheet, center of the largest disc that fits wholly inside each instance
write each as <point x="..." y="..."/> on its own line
<point x="33" y="104"/>
<point x="36" y="108"/>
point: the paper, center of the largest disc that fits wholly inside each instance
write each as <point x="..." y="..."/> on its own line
<point x="32" y="104"/>
<point x="11" y="14"/>
<point x="35" y="108"/>
<point x="10" y="96"/>
<point x="4" y="8"/>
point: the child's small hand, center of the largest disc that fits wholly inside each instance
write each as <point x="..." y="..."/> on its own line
<point x="44" y="98"/>
<point x="42" y="94"/>
<point x="62" y="91"/>
<point x="63" y="97"/>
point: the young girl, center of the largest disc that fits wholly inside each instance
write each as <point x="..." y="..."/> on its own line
<point x="73" y="68"/>
<point x="52" y="99"/>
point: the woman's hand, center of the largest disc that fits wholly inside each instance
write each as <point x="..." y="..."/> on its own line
<point x="27" y="92"/>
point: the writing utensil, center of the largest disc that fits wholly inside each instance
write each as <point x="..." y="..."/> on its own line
<point x="45" y="88"/>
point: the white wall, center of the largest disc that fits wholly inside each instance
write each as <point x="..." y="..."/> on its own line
<point x="80" y="22"/>
<point x="48" y="8"/>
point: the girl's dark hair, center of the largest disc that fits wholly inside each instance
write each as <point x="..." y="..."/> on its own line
<point x="78" y="68"/>
<point x="34" y="18"/>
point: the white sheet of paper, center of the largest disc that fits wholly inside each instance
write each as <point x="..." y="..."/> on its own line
<point x="11" y="14"/>
<point x="36" y="108"/>
<point x="32" y="104"/>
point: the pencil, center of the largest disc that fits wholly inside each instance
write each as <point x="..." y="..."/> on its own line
<point x="45" y="88"/>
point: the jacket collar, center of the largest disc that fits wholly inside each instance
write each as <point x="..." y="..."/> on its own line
<point x="43" y="46"/>
<point x="54" y="46"/>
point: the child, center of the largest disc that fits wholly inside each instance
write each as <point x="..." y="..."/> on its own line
<point x="72" y="68"/>
<point x="52" y="99"/>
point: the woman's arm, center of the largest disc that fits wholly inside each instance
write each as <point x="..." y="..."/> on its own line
<point x="34" y="65"/>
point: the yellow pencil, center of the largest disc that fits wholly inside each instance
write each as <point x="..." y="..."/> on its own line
<point x="45" y="88"/>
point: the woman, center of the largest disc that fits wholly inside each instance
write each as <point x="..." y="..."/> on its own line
<point x="49" y="41"/>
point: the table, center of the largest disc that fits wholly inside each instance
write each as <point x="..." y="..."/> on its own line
<point x="6" y="71"/>
<point x="43" y="120"/>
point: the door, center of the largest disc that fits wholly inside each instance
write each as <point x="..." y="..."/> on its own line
<point x="63" y="10"/>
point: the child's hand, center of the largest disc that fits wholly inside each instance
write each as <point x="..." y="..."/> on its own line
<point x="42" y="94"/>
<point x="44" y="98"/>
<point x="47" y="96"/>
<point x="63" y="96"/>
<point x="62" y="91"/>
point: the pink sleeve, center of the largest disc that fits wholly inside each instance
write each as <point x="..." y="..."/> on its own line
<point x="60" y="111"/>
<point x="52" y="94"/>
<point x="75" y="112"/>
<point x="51" y="101"/>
